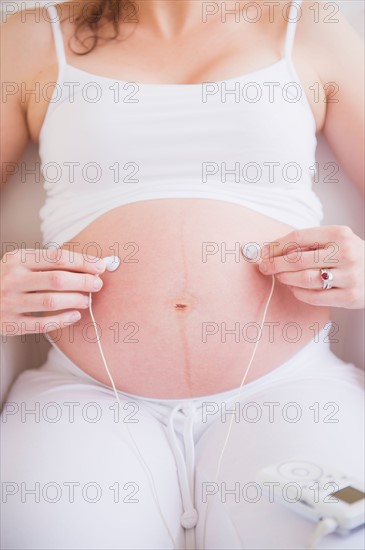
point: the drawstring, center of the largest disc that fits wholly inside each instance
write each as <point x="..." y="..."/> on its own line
<point x="185" y="470"/>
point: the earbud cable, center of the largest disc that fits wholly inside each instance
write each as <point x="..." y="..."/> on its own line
<point x="139" y="455"/>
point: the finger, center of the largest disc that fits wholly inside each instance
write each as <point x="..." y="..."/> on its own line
<point x="327" y="298"/>
<point x="36" y="325"/>
<point x="302" y="260"/>
<point x="311" y="279"/>
<point x="50" y="301"/>
<point x="59" y="281"/>
<point x="57" y="259"/>
<point x="313" y="238"/>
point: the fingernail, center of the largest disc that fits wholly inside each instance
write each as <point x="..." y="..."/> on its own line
<point x="86" y="300"/>
<point x="98" y="283"/>
<point x="75" y="317"/>
<point x="263" y="267"/>
<point x="100" y="266"/>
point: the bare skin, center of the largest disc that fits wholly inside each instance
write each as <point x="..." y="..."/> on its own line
<point x="159" y="306"/>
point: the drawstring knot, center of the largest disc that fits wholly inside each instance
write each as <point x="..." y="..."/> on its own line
<point x="189" y="519"/>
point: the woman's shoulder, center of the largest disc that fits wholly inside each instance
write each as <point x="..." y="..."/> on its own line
<point x="28" y="41"/>
<point x="327" y="36"/>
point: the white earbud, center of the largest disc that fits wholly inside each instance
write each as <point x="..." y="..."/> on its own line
<point x="251" y="251"/>
<point x="112" y="263"/>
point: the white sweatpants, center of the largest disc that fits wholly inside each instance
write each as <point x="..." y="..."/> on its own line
<point x="78" y="472"/>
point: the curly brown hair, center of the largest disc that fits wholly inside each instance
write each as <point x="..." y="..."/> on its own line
<point x="94" y="14"/>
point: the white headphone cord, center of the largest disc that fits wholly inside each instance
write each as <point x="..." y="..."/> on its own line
<point x="139" y="455"/>
<point x="325" y="527"/>
<point x="237" y="398"/>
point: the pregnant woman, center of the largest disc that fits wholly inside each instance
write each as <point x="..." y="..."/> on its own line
<point x="155" y="152"/>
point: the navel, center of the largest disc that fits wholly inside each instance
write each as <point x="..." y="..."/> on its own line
<point x="181" y="306"/>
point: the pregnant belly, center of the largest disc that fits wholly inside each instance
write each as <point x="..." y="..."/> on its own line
<point x="180" y="316"/>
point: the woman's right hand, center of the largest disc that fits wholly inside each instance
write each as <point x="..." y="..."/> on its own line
<point x="54" y="283"/>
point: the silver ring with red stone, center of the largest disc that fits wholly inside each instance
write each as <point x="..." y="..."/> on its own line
<point x="327" y="279"/>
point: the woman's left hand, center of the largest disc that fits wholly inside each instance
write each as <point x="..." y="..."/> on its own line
<point x="296" y="261"/>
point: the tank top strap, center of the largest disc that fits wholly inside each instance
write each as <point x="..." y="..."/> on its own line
<point x="57" y="34"/>
<point x="293" y="18"/>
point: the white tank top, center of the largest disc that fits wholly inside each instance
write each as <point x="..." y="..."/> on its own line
<point x="249" y="140"/>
